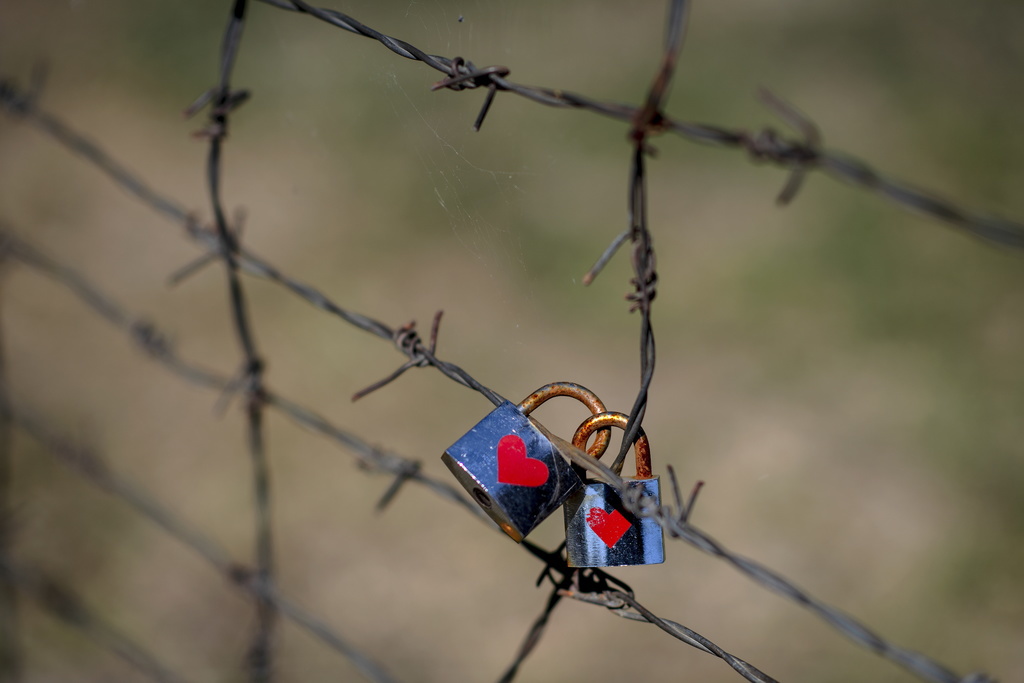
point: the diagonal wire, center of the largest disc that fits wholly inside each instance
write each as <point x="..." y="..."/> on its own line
<point x="617" y="602"/>
<point x="376" y="460"/>
<point x="155" y="343"/>
<point x="150" y="339"/>
<point x="88" y="464"/>
<point x="63" y="603"/>
<point x="369" y="457"/>
<point x="533" y="636"/>
<point x="92" y="467"/>
<point x="676" y="524"/>
<point x="22" y="104"/>
<point x="10" y="652"/>
<point x="762" y="146"/>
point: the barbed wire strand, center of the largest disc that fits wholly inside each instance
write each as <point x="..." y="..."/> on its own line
<point x="618" y="602"/>
<point x="593" y="586"/>
<point x="64" y="604"/>
<point x="87" y="463"/>
<point x="533" y="636"/>
<point x="557" y="571"/>
<point x="645" y="276"/>
<point x="765" y="145"/>
<point x="25" y="105"/>
<point x="10" y="653"/>
<point x="675" y="523"/>
<point x="92" y="467"/>
<point x="321" y="301"/>
<point x="222" y="101"/>
<point x="154" y="343"/>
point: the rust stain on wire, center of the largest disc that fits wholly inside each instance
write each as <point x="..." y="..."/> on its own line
<point x="675" y="519"/>
<point x="222" y="241"/>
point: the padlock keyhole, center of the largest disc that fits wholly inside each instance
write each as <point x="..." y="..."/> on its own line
<point x="482" y="498"/>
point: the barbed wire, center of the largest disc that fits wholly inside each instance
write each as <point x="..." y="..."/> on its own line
<point x="151" y="339"/>
<point x="222" y="240"/>
<point x="766" y="145"/>
<point x="92" y="467"/>
<point x="63" y="603"/>
<point x="24" y="103"/>
<point x="222" y="100"/>
<point x="154" y="343"/>
<point x="673" y="518"/>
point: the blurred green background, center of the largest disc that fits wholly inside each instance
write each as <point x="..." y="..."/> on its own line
<point x="845" y="377"/>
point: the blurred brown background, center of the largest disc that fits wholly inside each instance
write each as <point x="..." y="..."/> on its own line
<point x="846" y="377"/>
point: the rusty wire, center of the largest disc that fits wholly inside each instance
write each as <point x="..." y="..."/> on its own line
<point x="89" y="464"/>
<point x="221" y="240"/>
<point x="152" y="341"/>
<point x="646" y="121"/>
<point x="673" y="518"/>
<point x="924" y="667"/>
<point x="798" y="155"/>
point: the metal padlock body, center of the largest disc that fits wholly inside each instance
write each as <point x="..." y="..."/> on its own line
<point x="599" y="531"/>
<point x="533" y="481"/>
<point x="512" y="466"/>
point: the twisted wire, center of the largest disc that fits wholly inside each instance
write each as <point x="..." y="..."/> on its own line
<point x="764" y="146"/>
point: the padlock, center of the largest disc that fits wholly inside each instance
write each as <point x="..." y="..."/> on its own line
<point x="514" y="468"/>
<point x="599" y="531"/>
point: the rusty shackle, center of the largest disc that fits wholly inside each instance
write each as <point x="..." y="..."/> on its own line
<point x="580" y="393"/>
<point x="641" y="446"/>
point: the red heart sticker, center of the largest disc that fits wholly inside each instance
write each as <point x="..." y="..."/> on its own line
<point x="517" y="468"/>
<point x="609" y="526"/>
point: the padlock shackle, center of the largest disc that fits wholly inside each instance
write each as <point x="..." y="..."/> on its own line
<point x="641" y="446"/>
<point x="580" y="393"/>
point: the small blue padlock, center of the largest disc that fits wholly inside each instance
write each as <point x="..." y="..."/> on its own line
<point x="514" y="468"/>
<point x="599" y="531"/>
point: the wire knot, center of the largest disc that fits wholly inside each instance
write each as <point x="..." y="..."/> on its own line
<point x="409" y="342"/>
<point x="465" y="76"/>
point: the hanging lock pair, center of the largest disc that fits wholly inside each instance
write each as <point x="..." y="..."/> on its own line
<point x="599" y="531"/>
<point x="514" y="468"/>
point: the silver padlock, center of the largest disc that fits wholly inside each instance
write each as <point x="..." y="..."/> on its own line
<point x="599" y="531"/>
<point x="514" y="468"/>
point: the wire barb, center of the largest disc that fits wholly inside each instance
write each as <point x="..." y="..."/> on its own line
<point x="405" y="474"/>
<point x="685" y="507"/>
<point x="223" y="242"/>
<point x="465" y="75"/>
<point x="811" y="139"/>
<point x="407" y="339"/>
